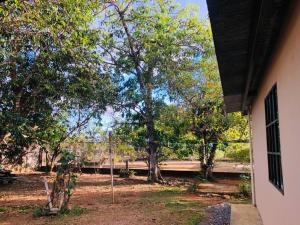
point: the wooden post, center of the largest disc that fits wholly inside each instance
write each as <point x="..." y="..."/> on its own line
<point x="126" y="165"/>
<point x="111" y="167"/>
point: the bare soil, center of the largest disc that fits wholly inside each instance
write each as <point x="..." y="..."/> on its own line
<point x="136" y="201"/>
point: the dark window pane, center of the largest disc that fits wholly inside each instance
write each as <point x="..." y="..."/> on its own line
<point x="273" y="138"/>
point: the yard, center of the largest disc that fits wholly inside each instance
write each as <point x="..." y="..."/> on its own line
<point x="137" y="201"/>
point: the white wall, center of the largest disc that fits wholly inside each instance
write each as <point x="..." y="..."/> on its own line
<point x="276" y="208"/>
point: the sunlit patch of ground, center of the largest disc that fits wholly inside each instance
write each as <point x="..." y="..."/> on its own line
<point x="137" y="202"/>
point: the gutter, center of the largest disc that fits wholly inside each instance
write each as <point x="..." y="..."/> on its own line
<point x="251" y="64"/>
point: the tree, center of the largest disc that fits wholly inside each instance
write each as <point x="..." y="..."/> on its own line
<point x="49" y="68"/>
<point x="146" y="44"/>
<point x="201" y="94"/>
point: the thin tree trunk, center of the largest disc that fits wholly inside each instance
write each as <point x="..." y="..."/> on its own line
<point x="203" y="161"/>
<point x="153" y="172"/>
<point x="54" y="156"/>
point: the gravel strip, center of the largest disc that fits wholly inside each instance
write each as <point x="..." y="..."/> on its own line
<point x="217" y="215"/>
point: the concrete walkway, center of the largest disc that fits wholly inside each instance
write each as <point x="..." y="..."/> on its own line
<point x="244" y="214"/>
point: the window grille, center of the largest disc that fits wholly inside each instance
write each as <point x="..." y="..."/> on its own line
<point x="273" y="139"/>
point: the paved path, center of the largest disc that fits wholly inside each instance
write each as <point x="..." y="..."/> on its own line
<point x="244" y="214"/>
<point x="228" y="167"/>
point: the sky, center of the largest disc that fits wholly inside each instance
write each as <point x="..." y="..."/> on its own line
<point x="107" y="118"/>
<point x="201" y="3"/>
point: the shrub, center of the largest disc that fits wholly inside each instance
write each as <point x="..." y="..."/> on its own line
<point x="3" y="209"/>
<point x="245" y="186"/>
<point x="193" y="187"/>
<point x="75" y="211"/>
<point x="239" y="155"/>
<point x="40" y="211"/>
<point x="126" y="173"/>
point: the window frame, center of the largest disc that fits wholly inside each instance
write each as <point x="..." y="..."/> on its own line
<point x="273" y="139"/>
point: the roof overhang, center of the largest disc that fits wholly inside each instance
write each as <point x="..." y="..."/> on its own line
<point x="245" y="33"/>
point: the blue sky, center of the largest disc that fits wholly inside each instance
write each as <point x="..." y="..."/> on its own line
<point x="201" y="3"/>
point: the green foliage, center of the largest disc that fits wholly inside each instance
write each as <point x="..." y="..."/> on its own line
<point x="48" y="67"/>
<point x="66" y="166"/>
<point x="3" y="209"/>
<point x="40" y="211"/>
<point x="74" y="211"/>
<point x="239" y="153"/>
<point x="148" y="47"/>
<point x="191" y="208"/>
<point x="193" y="187"/>
<point x="195" y="219"/>
<point x="126" y="173"/>
<point x="245" y="186"/>
<point x="125" y="150"/>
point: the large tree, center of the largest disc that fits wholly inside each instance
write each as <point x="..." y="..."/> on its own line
<point x="49" y="68"/>
<point x="200" y="93"/>
<point x="146" y="44"/>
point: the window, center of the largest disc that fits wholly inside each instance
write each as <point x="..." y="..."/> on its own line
<point x="273" y="139"/>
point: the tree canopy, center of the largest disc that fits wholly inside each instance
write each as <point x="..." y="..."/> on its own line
<point x="147" y="46"/>
<point x="63" y="62"/>
<point x="48" y="67"/>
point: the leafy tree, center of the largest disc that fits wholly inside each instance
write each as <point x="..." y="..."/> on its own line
<point x="146" y="44"/>
<point x="201" y="94"/>
<point x="49" y="68"/>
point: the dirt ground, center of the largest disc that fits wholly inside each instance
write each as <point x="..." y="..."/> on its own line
<point x="137" y="201"/>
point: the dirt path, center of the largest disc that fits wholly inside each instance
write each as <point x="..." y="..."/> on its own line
<point x="137" y="202"/>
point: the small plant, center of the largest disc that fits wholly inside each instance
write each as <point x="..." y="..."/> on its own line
<point x="3" y="209"/>
<point x="65" y="181"/>
<point x="193" y="187"/>
<point x="75" y="211"/>
<point x="126" y="173"/>
<point x="194" y="220"/>
<point x="40" y="211"/>
<point x="245" y="185"/>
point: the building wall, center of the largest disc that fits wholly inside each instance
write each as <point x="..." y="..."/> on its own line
<point x="277" y="208"/>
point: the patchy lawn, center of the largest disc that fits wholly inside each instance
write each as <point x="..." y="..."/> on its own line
<point x="137" y="202"/>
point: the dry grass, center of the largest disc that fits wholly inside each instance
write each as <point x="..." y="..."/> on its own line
<point x="137" y="202"/>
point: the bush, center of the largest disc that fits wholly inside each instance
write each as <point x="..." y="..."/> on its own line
<point x="40" y="211"/>
<point x="245" y="186"/>
<point x="239" y="155"/>
<point x="193" y="188"/>
<point x="126" y="173"/>
<point x="75" y="211"/>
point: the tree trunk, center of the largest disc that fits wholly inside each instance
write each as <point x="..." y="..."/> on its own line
<point x="40" y="159"/>
<point x="210" y="161"/>
<point x="153" y="165"/>
<point x="54" y="156"/>
<point x="207" y="161"/>
<point x="203" y="161"/>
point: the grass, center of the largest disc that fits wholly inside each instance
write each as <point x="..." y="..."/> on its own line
<point x="188" y="212"/>
<point x="3" y="209"/>
<point x="74" y="211"/>
<point x="19" y="209"/>
<point x="194" y="219"/>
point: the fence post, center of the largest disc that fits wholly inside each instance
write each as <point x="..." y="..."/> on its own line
<point x="111" y="166"/>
